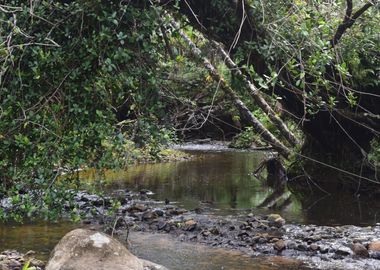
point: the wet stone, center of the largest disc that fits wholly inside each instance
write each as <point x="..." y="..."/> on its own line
<point x="275" y="220"/>
<point x="243" y="234"/>
<point x="312" y="239"/>
<point x="214" y="231"/>
<point x="343" y="251"/>
<point x="149" y="215"/>
<point x="161" y="225"/>
<point x="291" y="245"/>
<point x="279" y="245"/>
<point x="198" y="210"/>
<point x="262" y="240"/>
<point x="248" y="228"/>
<point x="205" y="233"/>
<point x="137" y="208"/>
<point x="274" y="240"/>
<point x="176" y="211"/>
<point x="360" y="250"/>
<point x="86" y="221"/>
<point x="374" y="246"/>
<point x="301" y="247"/>
<point x="375" y="255"/>
<point x="13" y="263"/>
<point x="13" y="260"/>
<point x="121" y="195"/>
<point x="190" y="225"/>
<point x="146" y="192"/>
<point x="159" y="212"/>
<point x="167" y="228"/>
<point x="313" y="247"/>
<point x="137" y="215"/>
<point x="323" y="249"/>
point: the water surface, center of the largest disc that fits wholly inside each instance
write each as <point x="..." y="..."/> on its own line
<point x="183" y="256"/>
<point x="218" y="182"/>
<point x="222" y="183"/>
<point x="163" y="249"/>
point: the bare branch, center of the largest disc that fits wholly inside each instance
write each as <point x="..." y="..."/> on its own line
<point x="349" y="20"/>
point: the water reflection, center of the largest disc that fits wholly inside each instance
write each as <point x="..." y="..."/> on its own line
<point x="183" y="256"/>
<point x="222" y="182"/>
<point x="38" y="236"/>
<point x="339" y="208"/>
<point x="42" y="237"/>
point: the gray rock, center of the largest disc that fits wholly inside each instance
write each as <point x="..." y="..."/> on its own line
<point x="159" y="212"/>
<point x="291" y="245"/>
<point x="276" y="220"/>
<point x="360" y="250"/>
<point x="279" y="245"/>
<point x="302" y="247"/>
<point x="12" y="260"/>
<point x="161" y="225"/>
<point x="313" y="247"/>
<point x="149" y="215"/>
<point x="375" y="255"/>
<point x="137" y="208"/>
<point x="83" y="249"/>
<point x="152" y="266"/>
<point x="323" y="249"/>
<point x="343" y="251"/>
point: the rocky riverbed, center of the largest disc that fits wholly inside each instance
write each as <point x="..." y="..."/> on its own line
<point x="14" y="260"/>
<point x="321" y="247"/>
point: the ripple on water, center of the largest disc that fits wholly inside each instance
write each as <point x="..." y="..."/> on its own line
<point x="176" y="255"/>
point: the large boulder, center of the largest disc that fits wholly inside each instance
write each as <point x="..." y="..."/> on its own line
<point x="83" y="249"/>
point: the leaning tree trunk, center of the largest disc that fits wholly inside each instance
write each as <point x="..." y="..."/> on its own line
<point x="244" y="111"/>
<point x="260" y="101"/>
<point x="341" y="137"/>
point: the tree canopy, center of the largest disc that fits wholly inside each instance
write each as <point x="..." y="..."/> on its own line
<point x="105" y="83"/>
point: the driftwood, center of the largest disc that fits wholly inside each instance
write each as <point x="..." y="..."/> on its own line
<point x="243" y="109"/>
<point x="260" y="101"/>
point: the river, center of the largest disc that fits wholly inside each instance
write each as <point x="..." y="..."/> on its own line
<point x="219" y="182"/>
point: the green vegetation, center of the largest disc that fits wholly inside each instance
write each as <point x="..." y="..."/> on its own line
<point x="27" y="267"/>
<point x="246" y="139"/>
<point x="78" y="88"/>
<point x="374" y="155"/>
<point x="104" y="84"/>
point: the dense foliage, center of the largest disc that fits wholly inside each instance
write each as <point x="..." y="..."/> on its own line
<point x="320" y="58"/>
<point x="78" y="87"/>
<point x="105" y="83"/>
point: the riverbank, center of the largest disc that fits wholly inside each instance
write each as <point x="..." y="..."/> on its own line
<point x="323" y="247"/>
<point x="320" y="247"/>
<point x="14" y="260"/>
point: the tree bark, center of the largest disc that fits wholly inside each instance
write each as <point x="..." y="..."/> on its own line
<point x="348" y="21"/>
<point x="260" y="101"/>
<point x="244" y="111"/>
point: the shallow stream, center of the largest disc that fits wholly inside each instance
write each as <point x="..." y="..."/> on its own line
<point x="219" y="183"/>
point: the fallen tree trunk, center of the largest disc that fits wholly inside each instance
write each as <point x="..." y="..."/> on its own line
<point x="244" y="111"/>
<point x="260" y="101"/>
